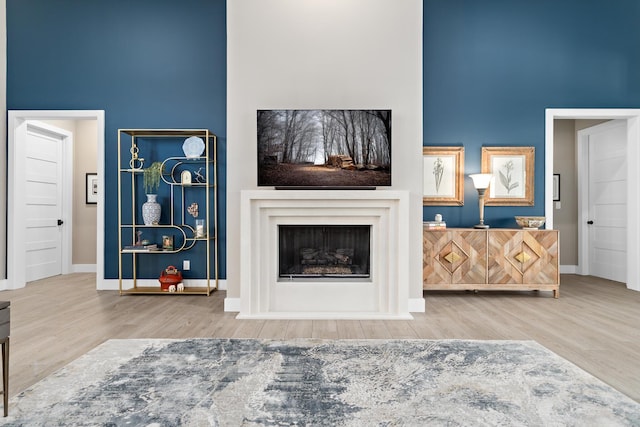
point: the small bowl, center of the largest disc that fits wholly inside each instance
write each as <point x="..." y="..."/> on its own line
<point x="530" y="222"/>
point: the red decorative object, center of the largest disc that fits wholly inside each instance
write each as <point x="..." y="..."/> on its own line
<point x="169" y="276"/>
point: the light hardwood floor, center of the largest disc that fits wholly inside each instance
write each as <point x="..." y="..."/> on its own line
<point x="595" y="324"/>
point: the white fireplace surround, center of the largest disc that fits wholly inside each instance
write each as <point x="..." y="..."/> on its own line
<point x="385" y="295"/>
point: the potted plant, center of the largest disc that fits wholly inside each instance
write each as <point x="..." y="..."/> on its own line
<point x="151" y="178"/>
<point x="151" y="208"/>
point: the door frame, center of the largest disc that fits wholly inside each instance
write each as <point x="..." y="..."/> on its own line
<point x="632" y="116"/>
<point x="16" y="264"/>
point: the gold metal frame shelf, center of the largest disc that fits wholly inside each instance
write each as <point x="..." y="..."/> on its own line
<point x="129" y="141"/>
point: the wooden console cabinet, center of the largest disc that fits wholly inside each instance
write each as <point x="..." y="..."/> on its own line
<point x="492" y="259"/>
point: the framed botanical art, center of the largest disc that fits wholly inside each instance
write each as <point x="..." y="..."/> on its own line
<point x="443" y="176"/>
<point x="513" y="175"/>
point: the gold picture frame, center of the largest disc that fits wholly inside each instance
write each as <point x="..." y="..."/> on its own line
<point x="513" y="175"/>
<point x="443" y="176"/>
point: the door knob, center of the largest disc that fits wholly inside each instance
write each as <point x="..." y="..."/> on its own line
<point x="589" y="222"/>
<point x="60" y="222"/>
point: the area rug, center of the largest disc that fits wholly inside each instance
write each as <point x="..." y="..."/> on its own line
<point x="239" y="382"/>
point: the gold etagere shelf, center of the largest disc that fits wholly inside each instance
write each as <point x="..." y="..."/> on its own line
<point x="135" y="151"/>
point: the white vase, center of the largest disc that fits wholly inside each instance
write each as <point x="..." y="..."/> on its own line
<point x="151" y="210"/>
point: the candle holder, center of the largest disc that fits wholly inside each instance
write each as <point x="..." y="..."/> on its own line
<point x="200" y="232"/>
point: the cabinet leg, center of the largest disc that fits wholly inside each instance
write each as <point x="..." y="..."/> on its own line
<point x="5" y="375"/>
<point x="556" y="293"/>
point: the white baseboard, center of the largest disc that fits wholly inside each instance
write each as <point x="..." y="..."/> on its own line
<point x="107" y="285"/>
<point x="568" y="269"/>
<point x="83" y="268"/>
<point x="417" y="305"/>
<point x="232" y="304"/>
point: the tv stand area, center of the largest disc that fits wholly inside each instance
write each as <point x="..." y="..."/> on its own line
<point x="496" y="259"/>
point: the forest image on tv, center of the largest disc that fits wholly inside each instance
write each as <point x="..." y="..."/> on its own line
<point x="324" y="148"/>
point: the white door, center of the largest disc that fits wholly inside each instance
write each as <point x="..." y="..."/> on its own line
<point x="607" y="217"/>
<point x="43" y="204"/>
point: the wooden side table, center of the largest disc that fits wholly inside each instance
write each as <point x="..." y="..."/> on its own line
<point x="5" y="323"/>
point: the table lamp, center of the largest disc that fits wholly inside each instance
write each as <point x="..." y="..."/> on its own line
<point x="481" y="182"/>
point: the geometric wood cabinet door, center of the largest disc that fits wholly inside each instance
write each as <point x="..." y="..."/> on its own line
<point x="454" y="258"/>
<point x="491" y="259"/>
<point x="527" y="258"/>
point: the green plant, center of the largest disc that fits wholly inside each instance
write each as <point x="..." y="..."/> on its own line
<point x="151" y="177"/>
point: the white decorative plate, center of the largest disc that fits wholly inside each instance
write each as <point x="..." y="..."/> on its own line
<point x="193" y="147"/>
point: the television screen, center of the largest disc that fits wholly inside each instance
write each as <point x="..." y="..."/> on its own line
<point x="324" y="148"/>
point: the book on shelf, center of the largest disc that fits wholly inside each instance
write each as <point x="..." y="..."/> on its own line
<point x="434" y="225"/>
<point x="141" y="248"/>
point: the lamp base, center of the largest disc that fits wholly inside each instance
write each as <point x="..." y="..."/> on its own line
<point x="481" y="226"/>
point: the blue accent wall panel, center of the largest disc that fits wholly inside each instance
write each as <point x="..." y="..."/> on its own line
<point x="147" y="63"/>
<point x="492" y="67"/>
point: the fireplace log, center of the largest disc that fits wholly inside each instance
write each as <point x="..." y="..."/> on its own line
<point x="342" y="259"/>
<point x="311" y="256"/>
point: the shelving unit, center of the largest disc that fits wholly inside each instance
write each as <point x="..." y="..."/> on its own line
<point x="137" y="149"/>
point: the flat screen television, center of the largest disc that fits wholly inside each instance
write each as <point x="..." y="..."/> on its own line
<point x="324" y="148"/>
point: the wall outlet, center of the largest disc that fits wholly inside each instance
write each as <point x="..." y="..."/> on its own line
<point x="186" y="264"/>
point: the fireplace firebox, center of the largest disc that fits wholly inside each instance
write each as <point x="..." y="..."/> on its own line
<point x="324" y="251"/>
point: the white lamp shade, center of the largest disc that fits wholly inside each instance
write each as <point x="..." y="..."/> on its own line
<point x="481" y="180"/>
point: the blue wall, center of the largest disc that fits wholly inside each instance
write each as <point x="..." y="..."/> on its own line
<point x="147" y="63"/>
<point x="492" y="67"/>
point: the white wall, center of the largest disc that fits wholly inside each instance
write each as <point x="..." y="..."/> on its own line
<point x="324" y="54"/>
<point x="565" y="219"/>
<point x="84" y="216"/>
<point x="84" y="227"/>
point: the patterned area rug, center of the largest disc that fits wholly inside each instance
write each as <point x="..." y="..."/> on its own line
<point x="212" y="382"/>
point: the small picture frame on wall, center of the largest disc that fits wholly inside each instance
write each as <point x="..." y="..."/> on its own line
<point x="556" y="187"/>
<point x="513" y="175"/>
<point x="443" y="176"/>
<point x="91" y="188"/>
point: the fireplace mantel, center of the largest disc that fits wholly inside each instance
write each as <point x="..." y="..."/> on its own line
<point x="384" y="295"/>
